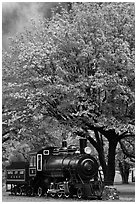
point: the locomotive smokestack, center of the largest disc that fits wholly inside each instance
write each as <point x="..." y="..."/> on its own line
<point x="83" y="144"/>
<point x="64" y="143"/>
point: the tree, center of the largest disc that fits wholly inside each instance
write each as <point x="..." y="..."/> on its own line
<point x="126" y="157"/>
<point x="78" y="67"/>
<point x="125" y="160"/>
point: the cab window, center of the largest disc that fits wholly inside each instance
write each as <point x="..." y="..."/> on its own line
<point x="39" y="162"/>
<point x="33" y="161"/>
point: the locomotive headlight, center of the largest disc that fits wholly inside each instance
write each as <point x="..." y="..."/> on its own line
<point x="87" y="150"/>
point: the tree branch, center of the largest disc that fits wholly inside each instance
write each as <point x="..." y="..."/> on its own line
<point x="124" y="135"/>
<point x="130" y="155"/>
<point x="5" y="139"/>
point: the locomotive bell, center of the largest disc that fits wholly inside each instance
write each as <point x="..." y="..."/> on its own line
<point x="63" y="149"/>
<point x="64" y="143"/>
<point x="83" y="144"/>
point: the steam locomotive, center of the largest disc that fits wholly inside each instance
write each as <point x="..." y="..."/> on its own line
<point x="57" y="172"/>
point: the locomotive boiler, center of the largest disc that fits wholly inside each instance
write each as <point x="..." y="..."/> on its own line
<point x="66" y="171"/>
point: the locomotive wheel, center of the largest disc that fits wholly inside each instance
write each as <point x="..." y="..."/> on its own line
<point x="20" y="191"/>
<point x="59" y="195"/>
<point x="40" y="191"/>
<point x="53" y="195"/>
<point x="29" y="191"/>
<point x="79" y="193"/>
<point x="12" y="191"/>
<point x="15" y="190"/>
<point x="66" y="195"/>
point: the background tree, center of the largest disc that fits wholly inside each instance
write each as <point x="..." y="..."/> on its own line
<point x="78" y="67"/>
<point x="125" y="158"/>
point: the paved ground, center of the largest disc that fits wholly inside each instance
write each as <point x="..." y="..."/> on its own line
<point x="126" y="194"/>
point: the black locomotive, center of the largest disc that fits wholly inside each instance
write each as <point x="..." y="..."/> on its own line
<point x="66" y="171"/>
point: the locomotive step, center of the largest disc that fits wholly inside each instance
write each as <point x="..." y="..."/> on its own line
<point x="55" y="191"/>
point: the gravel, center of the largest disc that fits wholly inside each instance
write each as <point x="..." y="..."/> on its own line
<point x="126" y="194"/>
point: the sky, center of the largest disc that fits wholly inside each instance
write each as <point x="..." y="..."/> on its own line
<point x="16" y="15"/>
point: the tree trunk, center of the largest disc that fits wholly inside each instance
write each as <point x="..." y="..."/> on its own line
<point x="124" y="168"/>
<point x="102" y="162"/>
<point x="110" y="171"/>
<point x="101" y="151"/>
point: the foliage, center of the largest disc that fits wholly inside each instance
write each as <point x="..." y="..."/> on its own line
<point x="125" y="157"/>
